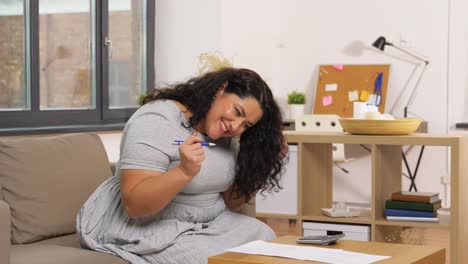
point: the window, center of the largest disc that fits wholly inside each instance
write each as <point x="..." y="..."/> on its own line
<point x="12" y="86"/>
<point x="65" y="55"/>
<point x="73" y="63"/>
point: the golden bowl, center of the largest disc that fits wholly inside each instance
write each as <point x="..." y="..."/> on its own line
<point x="399" y="126"/>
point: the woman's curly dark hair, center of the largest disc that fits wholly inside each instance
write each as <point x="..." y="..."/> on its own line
<point x="260" y="161"/>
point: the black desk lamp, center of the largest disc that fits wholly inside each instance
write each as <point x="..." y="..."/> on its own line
<point x="380" y="43"/>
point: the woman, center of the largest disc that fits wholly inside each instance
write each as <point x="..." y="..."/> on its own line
<point x="172" y="203"/>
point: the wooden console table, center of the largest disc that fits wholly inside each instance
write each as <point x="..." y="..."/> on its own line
<point x="315" y="165"/>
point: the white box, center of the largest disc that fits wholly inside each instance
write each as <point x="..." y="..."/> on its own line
<point x="351" y="231"/>
<point x="284" y="201"/>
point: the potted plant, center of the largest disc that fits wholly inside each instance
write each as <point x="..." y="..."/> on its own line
<point x="296" y="102"/>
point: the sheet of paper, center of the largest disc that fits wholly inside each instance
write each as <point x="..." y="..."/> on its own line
<point x="364" y="96"/>
<point x="326" y="255"/>
<point x="353" y="96"/>
<point x="331" y="87"/>
<point x="327" y="100"/>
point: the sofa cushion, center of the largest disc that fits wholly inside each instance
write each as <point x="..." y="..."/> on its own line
<point x="4" y="232"/>
<point x="45" y="180"/>
<point x="72" y="240"/>
<point x="47" y="254"/>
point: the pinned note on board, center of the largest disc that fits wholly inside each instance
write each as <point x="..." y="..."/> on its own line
<point x="364" y="96"/>
<point x="338" y="67"/>
<point x="331" y="87"/>
<point x="353" y="95"/>
<point x="327" y="100"/>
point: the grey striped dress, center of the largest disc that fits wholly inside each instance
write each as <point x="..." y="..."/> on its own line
<point x="195" y="225"/>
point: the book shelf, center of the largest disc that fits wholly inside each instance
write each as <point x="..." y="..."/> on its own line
<point x="315" y="165"/>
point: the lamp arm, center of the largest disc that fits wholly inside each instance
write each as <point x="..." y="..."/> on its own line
<point x="413" y="92"/>
<point x="414" y="55"/>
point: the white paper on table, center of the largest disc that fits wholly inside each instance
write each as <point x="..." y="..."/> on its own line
<point x="327" y="255"/>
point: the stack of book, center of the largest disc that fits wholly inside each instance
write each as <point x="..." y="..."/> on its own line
<point x="413" y="206"/>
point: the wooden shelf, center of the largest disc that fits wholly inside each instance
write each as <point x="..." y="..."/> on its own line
<point x="315" y="185"/>
<point x="412" y="224"/>
<point x="280" y="216"/>
<point x="346" y="138"/>
<point x="350" y="220"/>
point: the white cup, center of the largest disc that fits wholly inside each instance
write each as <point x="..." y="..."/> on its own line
<point x="372" y="115"/>
<point x="358" y="109"/>
<point x="372" y="108"/>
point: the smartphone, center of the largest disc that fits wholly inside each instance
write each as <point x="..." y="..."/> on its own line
<point x="320" y="240"/>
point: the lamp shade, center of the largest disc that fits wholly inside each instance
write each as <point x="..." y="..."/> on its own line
<point x="380" y="43"/>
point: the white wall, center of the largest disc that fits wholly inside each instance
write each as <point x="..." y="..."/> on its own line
<point x="458" y="65"/>
<point x="111" y="141"/>
<point x="184" y="29"/>
<point x="285" y="40"/>
<point x="304" y="34"/>
<point x="250" y="34"/>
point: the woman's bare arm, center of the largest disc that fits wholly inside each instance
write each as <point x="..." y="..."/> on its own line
<point x="146" y="192"/>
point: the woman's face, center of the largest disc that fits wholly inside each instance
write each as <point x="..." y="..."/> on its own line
<point x="230" y="115"/>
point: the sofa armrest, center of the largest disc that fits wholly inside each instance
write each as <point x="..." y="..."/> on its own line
<point x="5" y="223"/>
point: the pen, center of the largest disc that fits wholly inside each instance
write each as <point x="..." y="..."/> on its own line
<point x="377" y="95"/>
<point x="204" y="143"/>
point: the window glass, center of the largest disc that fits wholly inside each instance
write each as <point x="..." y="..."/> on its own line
<point x="126" y="54"/>
<point x="13" y="94"/>
<point x="65" y="55"/>
<point x="65" y="65"/>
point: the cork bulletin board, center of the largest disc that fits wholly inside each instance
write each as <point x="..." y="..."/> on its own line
<point x="338" y="86"/>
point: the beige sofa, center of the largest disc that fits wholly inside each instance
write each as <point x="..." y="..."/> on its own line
<point x="44" y="180"/>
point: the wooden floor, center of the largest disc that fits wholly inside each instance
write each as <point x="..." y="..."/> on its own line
<point x="282" y="227"/>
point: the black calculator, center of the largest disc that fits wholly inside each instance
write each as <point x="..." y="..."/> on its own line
<point x="320" y="240"/>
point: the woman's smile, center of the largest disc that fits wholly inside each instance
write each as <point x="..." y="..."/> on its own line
<point x="230" y="116"/>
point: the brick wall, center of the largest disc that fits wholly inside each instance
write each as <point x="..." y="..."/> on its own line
<point x="65" y="56"/>
<point x="11" y="61"/>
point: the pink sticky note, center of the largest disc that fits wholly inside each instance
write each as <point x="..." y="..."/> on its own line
<point x="338" y="66"/>
<point x="327" y="100"/>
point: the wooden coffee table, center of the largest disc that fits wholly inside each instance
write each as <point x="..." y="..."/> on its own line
<point x="401" y="253"/>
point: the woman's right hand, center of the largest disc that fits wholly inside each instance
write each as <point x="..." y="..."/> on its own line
<point x="191" y="155"/>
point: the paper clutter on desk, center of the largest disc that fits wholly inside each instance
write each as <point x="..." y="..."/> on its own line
<point x="358" y="109"/>
<point x="362" y="110"/>
<point x="371" y="115"/>
<point x="372" y="112"/>
<point x="387" y="117"/>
